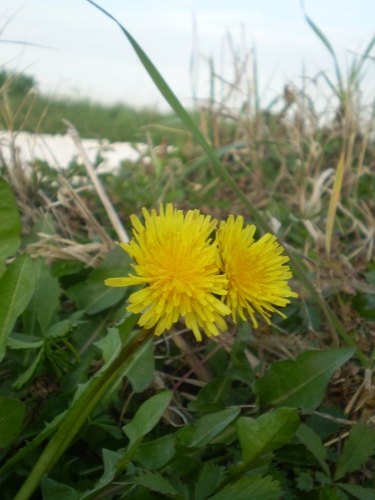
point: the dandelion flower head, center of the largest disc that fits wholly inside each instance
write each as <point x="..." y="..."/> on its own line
<point x="177" y="264"/>
<point x="256" y="271"/>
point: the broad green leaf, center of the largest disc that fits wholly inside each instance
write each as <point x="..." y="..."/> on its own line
<point x="45" y="301"/>
<point x="147" y="416"/>
<point x="116" y="263"/>
<point x="157" y="453"/>
<point x="141" y="373"/>
<point x="92" y="295"/>
<point x="313" y="443"/>
<point x="206" y="428"/>
<point x="266" y="433"/>
<point x="301" y="383"/>
<point x="17" y="287"/>
<point x="254" y="488"/>
<point x="209" y="479"/>
<point x="358" y="491"/>
<point x="358" y="448"/>
<point x="21" y="341"/>
<point x="12" y="414"/>
<point x="154" y="481"/>
<point x="52" y="490"/>
<point x="10" y="223"/>
<point x="65" y="268"/>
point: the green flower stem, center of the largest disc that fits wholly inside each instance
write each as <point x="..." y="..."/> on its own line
<point x="79" y="412"/>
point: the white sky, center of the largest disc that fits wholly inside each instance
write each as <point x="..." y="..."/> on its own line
<point x="89" y="55"/>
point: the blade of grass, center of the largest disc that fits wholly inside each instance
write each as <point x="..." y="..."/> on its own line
<point x="185" y="117"/>
<point x="329" y="47"/>
<point x="335" y="198"/>
<point x="357" y="67"/>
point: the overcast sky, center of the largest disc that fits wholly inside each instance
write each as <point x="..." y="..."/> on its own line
<point x="84" y="53"/>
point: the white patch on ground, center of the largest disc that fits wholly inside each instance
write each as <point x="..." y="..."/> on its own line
<point x="59" y="150"/>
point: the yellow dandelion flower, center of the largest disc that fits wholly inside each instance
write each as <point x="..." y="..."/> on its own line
<point x="178" y="264"/>
<point x="256" y="271"/>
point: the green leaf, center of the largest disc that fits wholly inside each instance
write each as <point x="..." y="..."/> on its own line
<point x="358" y="448"/>
<point x="62" y="328"/>
<point x="141" y="373"/>
<point x="82" y="387"/>
<point x="116" y="263"/>
<point x="209" y="479"/>
<point x="45" y="301"/>
<point x="213" y="396"/>
<point x="304" y="481"/>
<point x="10" y="223"/>
<point x="29" y="373"/>
<point x="313" y="443"/>
<point x="154" y="481"/>
<point x="92" y="295"/>
<point x="147" y="416"/>
<point x="322" y="478"/>
<point x="325" y="493"/>
<point x="110" y="460"/>
<point x="206" y="428"/>
<point x="52" y="490"/>
<point x="155" y="454"/>
<point x="110" y="345"/>
<point x="266" y="433"/>
<point x="254" y="488"/>
<point x="358" y="491"/>
<point x="301" y="383"/>
<point x="12" y="414"/>
<point x="17" y="287"/>
<point x="21" y="341"/>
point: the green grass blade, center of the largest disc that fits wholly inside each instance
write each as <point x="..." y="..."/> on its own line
<point x="330" y="49"/>
<point x="357" y="67"/>
<point x="187" y="120"/>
